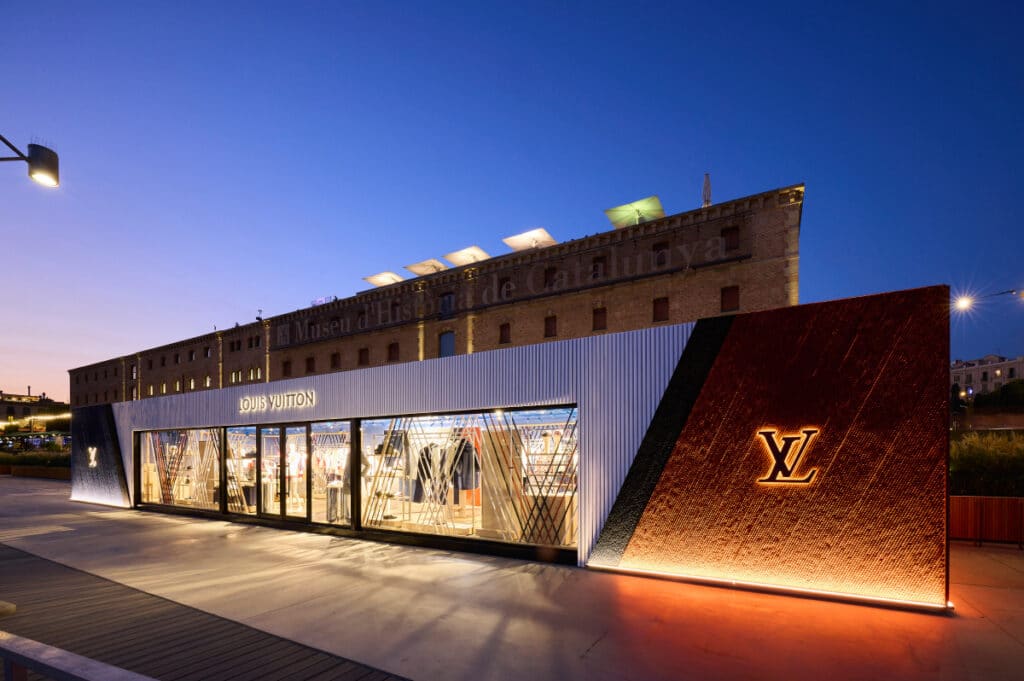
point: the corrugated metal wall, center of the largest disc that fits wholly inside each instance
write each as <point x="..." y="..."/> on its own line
<point x="616" y="380"/>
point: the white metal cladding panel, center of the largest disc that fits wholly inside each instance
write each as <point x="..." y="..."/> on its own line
<point x="623" y="379"/>
<point x="616" y="380"/>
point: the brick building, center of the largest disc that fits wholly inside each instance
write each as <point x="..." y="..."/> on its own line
<point x="737" y="256"/>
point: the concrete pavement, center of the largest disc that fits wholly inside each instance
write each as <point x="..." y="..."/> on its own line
<point x="429" y="614"/>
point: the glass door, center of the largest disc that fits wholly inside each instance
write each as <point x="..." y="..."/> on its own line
<point x="296" y="465"/>
<point x="270" y="471"/>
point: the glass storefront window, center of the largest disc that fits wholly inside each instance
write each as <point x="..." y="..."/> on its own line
<point x="500" y="475"/>
<point x="181" y="467"/>
<point x="504" y="475"/>
<point x="331" y="501"/>
<point x="270" y="469"/>
<point x="295" y="471"/>
<point x="241" y="473"/>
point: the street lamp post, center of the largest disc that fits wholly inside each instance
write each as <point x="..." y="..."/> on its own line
<point x="43" y="164"/>
<point x="964" y="303"/>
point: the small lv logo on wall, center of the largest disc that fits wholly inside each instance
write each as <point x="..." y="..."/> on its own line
<point x="783" y="472"/>
<point x="92" y="457"/>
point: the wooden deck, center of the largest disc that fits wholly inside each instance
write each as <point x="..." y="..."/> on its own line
<point x="128" y="628"/>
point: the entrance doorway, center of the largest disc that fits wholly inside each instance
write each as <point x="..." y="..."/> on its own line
<point x="283" y="453"/>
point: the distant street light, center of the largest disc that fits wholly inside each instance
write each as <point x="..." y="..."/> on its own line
<point x="43" y="164"/>
<point x="965" y="302"/>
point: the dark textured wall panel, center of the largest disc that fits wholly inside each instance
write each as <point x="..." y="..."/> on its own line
<point x="870" y="375"/>
<point x="660" y="438"/>
<point x="97" y="470"/>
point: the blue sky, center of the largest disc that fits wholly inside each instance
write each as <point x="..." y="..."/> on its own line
<point x="218" y="158"/>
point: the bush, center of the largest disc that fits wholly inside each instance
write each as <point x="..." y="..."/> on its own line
<point x="57" y="459"/>
<point x="987" y="463"/>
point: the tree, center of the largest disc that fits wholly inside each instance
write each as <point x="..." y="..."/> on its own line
<point x="957" y="405"/>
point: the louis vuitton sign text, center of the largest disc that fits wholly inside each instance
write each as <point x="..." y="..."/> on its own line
<point x="251" y="404"/>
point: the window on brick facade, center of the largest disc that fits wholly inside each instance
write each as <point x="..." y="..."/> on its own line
<point x="286" y="367"/>
<point x="252" y="373"/>
<point x="984" y="376"/>
<point x="208" y="381"/>
<point x="191" y="384"/>
<point x="660" y="310"/>
<point x="730" y="298"/>
<point x="149" y="364"/>
<point x="446" y="304"/>
<point x="177" y="358"/>
<point x="1013" y="372"/>
<point x="150" y="389"/>
<point x="364" y="357"/>
<point x="104" y="373"/>
<point x="115" y="394"/>
<point x="257" y="341"/>
<point x="600" y="319"/>
<point x="115" y="372"/>
<point x="310" y="365"/>
<point x="135" y="393"/>
<point x="505" y="288"/>
<point x="504" y="333"/>
<point x="550" y="326"/>
<point x="446" y="344"/>
<point x="396" y="312"/>
<point x="659" y="254"/>
<point x="163" y="388"/>
<point x="135" y="372"/>
<point x="206" y="352"/>
<point x="191" y="355"/>
<point x="335" y="360"/>
<point x="104" y="399"/>
<point x="76" y="379"/>
<point x="392" y="352"/>
<point x="550" y="274"/>
<point x="599" y="267"/>
<point x="731" y="237"/>
<point x="177" y="386"/>
<point x="163" y="361"/>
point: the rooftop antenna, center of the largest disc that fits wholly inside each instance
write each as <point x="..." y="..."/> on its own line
<point x="706" y="194"/>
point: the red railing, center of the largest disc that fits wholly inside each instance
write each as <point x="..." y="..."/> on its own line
<point x="980" y="519"/>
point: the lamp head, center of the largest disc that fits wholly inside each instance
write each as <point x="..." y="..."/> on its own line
<point x="43" y="165"/>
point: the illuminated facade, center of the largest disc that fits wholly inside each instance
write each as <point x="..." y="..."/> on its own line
<point x="800" y="449"/>
<point x="735" y="256"/>
<point x="30" y="411"/>
<point x="985" y="375"/>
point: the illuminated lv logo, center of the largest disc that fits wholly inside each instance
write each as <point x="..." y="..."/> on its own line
<point x="779" y="449"/>
<point x="92" y="457"/>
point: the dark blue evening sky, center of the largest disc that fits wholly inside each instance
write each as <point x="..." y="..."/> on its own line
<point x="223" y="157"/>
